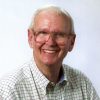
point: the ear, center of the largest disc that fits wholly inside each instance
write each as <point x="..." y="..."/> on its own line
<point x="72" y="41"/>
<point x="30" y="38"/>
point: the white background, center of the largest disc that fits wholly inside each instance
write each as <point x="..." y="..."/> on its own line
<point x="15" y="17"/>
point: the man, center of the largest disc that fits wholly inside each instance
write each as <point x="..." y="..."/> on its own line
<point x="51" y="36"/>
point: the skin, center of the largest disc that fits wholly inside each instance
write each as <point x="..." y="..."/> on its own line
<point x="49" y="55"/>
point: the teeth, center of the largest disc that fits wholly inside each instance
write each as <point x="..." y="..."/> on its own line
<point x="49" y="51"/>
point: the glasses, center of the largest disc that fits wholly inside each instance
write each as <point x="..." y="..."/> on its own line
<point x="59" y="37"/>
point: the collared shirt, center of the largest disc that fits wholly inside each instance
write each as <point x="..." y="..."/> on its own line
<point x="28" y="83"/>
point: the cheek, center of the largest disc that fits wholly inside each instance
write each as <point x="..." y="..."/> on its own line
<point x="64" y="51"/>
<point x="36" y="51"/>
<point x="37" y="47"/>
<point x="65" y="48"/>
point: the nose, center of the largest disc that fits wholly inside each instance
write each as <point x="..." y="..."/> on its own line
<point x="51" y="40"/>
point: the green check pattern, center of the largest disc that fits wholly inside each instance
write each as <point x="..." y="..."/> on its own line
<point x="28" y="83"/>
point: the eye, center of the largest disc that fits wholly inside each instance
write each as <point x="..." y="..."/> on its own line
<point x="60" y="34"/>
<point x="40" y="33"/>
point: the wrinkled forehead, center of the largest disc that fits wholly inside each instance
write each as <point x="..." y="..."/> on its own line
<point x="53" y="12"/>
<point x="51" y="19"/>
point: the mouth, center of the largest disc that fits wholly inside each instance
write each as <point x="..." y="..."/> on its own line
<point x="50" y="51"/>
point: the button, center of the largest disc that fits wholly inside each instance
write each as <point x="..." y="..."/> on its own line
<point x="52" y="84"/>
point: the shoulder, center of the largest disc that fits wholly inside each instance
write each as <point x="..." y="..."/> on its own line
<point x="8" y="82"/>
<point x="80" y="81"/>
<point x="77" y="78"/>
<point x="74" y="74"/>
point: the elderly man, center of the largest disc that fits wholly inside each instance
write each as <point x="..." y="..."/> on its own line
<point x="51" y="36"/>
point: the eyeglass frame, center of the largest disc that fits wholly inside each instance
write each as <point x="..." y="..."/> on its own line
<point x="52" y="34"/>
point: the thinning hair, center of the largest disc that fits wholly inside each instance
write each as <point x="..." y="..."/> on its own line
<point x="55" y="9"/>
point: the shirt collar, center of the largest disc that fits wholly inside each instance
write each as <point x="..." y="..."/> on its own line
<point x="38" y="76"/>
<point x="42" y="80"/>
<point x="63" y="78"/>
<point x="69" y="75"/>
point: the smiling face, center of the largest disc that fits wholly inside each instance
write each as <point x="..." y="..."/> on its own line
<point x="50" y="52"/>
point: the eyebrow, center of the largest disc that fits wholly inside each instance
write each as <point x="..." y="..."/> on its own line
<point x="54" y="31"/>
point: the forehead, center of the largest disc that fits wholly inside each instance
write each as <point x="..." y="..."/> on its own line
<point x="51" y="20"/>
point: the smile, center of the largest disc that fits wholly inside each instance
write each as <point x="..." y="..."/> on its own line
<point x="50" y="51"/>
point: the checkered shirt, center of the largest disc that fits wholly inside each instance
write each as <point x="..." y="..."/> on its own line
<point x="28" y="83"/>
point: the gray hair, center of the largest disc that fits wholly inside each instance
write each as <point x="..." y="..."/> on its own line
<point x="57" y="10"/>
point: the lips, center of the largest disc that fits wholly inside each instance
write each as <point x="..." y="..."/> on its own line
<point x="50" y="51"/>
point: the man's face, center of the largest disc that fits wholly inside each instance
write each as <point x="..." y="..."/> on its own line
<point x="50" y="52"/>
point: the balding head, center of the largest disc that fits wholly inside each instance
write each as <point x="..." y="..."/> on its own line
<point x="56" y="10"/>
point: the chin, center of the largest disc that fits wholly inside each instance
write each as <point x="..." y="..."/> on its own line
<point x="50" y="62"/>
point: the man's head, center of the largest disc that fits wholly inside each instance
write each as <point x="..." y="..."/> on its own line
<point x="51" y="35"/>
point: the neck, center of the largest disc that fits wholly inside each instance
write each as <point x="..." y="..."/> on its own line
<point x="51" y="72"/>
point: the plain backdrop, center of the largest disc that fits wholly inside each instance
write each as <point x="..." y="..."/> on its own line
<point x="15" y="17"/>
